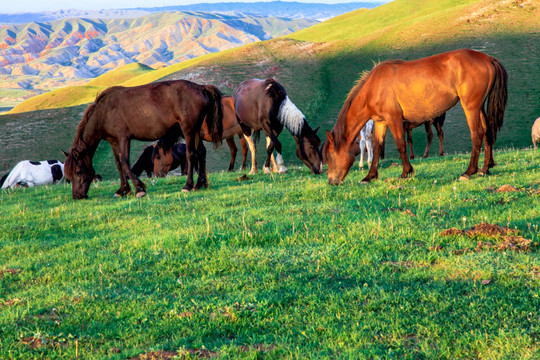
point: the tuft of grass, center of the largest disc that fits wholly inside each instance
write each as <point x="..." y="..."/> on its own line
<point x="279" y="266"/>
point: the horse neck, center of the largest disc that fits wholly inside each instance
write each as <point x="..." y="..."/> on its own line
<point x="348" y="125"/>
<point x="88" y="138"/>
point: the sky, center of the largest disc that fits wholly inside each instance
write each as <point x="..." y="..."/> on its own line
<point x="14" y="6"/>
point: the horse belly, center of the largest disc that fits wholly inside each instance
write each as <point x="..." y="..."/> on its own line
<point x="427" y="105"/>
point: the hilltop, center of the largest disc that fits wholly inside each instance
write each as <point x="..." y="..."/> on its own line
<point x="40" y="56"/>
<point x="319" y="65"/>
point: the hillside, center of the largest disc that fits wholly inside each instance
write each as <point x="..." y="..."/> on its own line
<point x="318" y="69"/>
<point x="41" y="56"/>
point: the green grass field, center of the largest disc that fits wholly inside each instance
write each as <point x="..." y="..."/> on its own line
<point x="277" y="267"/>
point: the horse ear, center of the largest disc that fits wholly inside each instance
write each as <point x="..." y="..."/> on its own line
<point x="65" y="153"/>
<point x="330" y="137"/>
<point x="317" y="129"/>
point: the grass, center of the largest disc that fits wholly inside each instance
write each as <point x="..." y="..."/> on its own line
<point x="276" y="266"/>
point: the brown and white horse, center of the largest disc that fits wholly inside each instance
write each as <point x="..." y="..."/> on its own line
<point x="264" y="105"/>
<point x="418" y="91"/>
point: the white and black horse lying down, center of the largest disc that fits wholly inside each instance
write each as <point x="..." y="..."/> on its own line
<point x="33" y="173"/>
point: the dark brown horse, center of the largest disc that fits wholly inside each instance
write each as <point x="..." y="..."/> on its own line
<point x="418" y="91"/>
<point x="163" y="156"/>
<point x="145" y="112"/>
<point x="438" y="123"/>
<point x="145" y="162"/>
<point x="264" y="105"/>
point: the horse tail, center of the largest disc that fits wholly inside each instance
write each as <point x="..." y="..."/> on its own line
<point x="3" y="180"/>
<point x="214" y="115"/>
<point x="496" y="104"/>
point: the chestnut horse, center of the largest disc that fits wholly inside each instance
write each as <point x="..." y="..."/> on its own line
<point x="438" y="123"/>
<point x="264" y="105"/>
<point x="145" y="112"/>
<point x="163" y="158"/>
<point x="418" y="91"/>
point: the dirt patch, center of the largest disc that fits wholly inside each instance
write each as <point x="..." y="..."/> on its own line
<point x="506" y="188"/>
<point x="503" y="238"/>
<point x="244" y="177"/>
<point x="169" y="355"/>
<point x="401" y="210"/>
<point x="38" y="341"/>
<point x="9" y="271"/>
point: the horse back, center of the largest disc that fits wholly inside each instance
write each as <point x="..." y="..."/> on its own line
<point x="146" y="112"/>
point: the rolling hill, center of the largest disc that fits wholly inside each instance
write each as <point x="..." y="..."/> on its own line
<point x="319" y="65"/>
<point x="39" y="56"/>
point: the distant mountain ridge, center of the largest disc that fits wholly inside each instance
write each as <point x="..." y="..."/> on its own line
<point x="285" y="9"/>
<point x="45" y="55"/>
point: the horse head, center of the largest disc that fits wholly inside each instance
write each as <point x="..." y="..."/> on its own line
<point x="79" y="171"/>
<point x="339" y="159"/>
<point x="162" y="160"/>
<point x="307" y="149"/>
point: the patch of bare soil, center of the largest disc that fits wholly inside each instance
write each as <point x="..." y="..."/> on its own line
<point x="9" y="271"/>
<point x="503" y="238"/>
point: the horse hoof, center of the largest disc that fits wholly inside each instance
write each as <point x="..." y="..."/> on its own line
<point x="116" y="195"/>
<point x="186" y="190"/>
<point x="267" y="171"/>
<point x="464" y="178"/>
<point x="140" y="194"/>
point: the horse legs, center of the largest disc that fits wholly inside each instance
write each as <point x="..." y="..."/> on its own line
<point x="244" y="147"/>
<point x="362" y="151"/>
<point x="397" y="132"/>
<point x="269" y="156"/>
<point x="278" y="165"/>
<point x="438" y="122"/>
<point x="202" y="179"/>
<point x="253" y="151"/>
<point x="379" y="132"/>
<point x="140" y="188"/>
<point x="124" y="188"/>
<point x="191" y="158"/>
<point x="233" y="149"/>
<point x="409" y="138"/>
<point x="429" y="133"/>
<point x="369" y="148"/>
<point x="477" y="133"/>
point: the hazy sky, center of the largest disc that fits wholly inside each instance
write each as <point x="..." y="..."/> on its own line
<point x="11" y="6"/>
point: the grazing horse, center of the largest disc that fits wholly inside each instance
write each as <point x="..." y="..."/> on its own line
<point x="535" y="132"/>
<point x="163" y="159"/>
<point x="146" y="160"/>
<point x="145" y="112"/>
<point x="33" y="173"/>
<point x="366" y="139"/>
<point x="264" y="105"/>
<point x="438" y="123"/>
<point x="418" y="91"/>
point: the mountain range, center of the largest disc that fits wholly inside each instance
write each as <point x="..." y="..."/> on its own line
<point x="286" y="9"/>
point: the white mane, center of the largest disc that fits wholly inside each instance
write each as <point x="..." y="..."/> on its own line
<point x="290" y="117"/>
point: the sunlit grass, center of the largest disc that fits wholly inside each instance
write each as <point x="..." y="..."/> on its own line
<point x="285" y="264"/>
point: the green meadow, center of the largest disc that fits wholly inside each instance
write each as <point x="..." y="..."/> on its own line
<point x="278" y="266"/>
<point x="286" y="266"/>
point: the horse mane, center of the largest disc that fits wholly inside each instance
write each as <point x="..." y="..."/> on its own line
<point x="340" y="128"/>
<point x="88" y="113"/>
<point x="283" y="108"/>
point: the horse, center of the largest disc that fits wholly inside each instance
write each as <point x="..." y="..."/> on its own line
<point x="264" y="105"/>
<point x="417" y="91"/>
<point x="146" y="113"/>
<point x="164" y="157"/>
<point x="438" y="123"/>
<point x="535" y="132"/>
<point x="146" y="160"/>
<point x="365" y="141"/>
<point x="33" y="173"/>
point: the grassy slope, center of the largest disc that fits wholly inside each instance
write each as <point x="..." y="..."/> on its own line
<point x="285" y="265"/>
<point x="78" y="95"/>
<point x="318" y="74"/>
